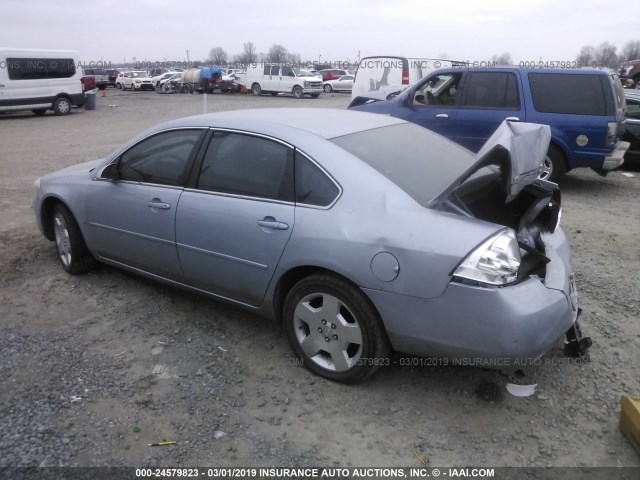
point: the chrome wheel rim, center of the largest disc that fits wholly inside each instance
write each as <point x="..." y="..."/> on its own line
<point x="63" y="242"/>
<point x="328" y="332"/>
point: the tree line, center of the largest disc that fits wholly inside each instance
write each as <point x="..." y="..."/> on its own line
<point x="276" y="54"/>
<point x="603" y="55"/>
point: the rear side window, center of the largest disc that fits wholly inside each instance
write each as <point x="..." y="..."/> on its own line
<point x="492" y="90"/>
<point x="247" y="165"/>
<point x="40" y="68"/>
<point x="313" y="186"/>
<point x="568" y="93"/>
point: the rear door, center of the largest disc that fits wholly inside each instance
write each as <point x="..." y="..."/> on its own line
<point x="487" y="99"/>
<point x="234" y="222"/>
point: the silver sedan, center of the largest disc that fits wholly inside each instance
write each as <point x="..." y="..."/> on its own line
<point x="342" y="84"/>
<point x="361" y="233"/>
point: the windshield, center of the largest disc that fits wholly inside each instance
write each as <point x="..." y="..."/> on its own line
<point x="420" y="162"/>
<point x="139" y="74"/>
<point x="303" y="73"/>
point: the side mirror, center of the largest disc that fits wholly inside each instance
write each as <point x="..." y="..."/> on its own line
<point x="110" y="172"/>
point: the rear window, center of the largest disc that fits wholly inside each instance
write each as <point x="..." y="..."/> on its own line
<point x="418" y="161"/>
<point x="568" y="93"/>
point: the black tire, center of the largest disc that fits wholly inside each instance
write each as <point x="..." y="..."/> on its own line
<point x="314" y="337"/>
<point x="39" y="111"/>
<point x="555" y="165"/>
<point x="327" y="88"/>
<point x="73" y="253"/>
<point x="256" y="89"/>
<point x="62" y="106"/>
<point x="297" y="92"/>
<point x="119" y="86"/>
<point x="187" y="88"/>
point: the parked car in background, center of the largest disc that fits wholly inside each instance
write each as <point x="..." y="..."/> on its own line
<point x="632" y="127"/>
<point x="40" y="80"/>
<point x="154" y="72"/>
<point x="631" y="77"/>
<point x="274" y="79"/>
<point x="119" y="79"/>
<point x="384" y="75"/>
<point x="342" y="84"/>
<point x="157" y="80"/>
<point x="88" y="83"/>
<point x="101" y="76"/>
<point x="583" y="107"/>
<point x="136" y="80"/>
<point x="332" y="73"/>
<point x="113" y="74"/>
<point x="472" y="263"/>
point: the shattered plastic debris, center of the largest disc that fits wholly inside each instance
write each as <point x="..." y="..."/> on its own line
<point x="158" y="369"/>
<point x="218" y="434"/>
<point x="75" y="399"/>
<point x="627" y="174"/>
<point x="521" y="390"/>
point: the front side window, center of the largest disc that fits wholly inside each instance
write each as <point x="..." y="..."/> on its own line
<point x="247" y="165"/>
<point x="492" y="90"/>
<point x="161" y="159"/>
<point x="439" y="90"/>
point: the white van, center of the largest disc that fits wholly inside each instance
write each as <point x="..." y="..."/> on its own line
<point x="274" y="79"/>
<point x="386" y="75"/>
<point x="40" y="80"/>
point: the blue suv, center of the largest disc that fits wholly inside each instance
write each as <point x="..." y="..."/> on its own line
<point x="583" y="107"/>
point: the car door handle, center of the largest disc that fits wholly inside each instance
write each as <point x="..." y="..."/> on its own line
<point x="270" y="222"/>
<point x="513" y="119"/>
<point x="442" y="115"/>
<point x="156" y="203"/>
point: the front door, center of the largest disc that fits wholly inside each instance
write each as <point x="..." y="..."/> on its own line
<point x="131" y="219"/>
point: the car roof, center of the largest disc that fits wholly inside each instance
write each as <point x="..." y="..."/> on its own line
<point x="323" y="122"/>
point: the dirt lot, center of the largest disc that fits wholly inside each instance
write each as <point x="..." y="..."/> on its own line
<point x="77" y="381"/>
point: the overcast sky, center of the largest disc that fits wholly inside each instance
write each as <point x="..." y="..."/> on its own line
<point x="333" y="30"/>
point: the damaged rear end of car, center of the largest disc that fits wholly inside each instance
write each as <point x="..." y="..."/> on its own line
<point x="531" y="251"/>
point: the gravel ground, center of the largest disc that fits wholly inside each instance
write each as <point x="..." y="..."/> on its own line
<point x="95" y="367"/>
